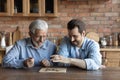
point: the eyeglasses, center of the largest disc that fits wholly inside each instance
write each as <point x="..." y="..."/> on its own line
<point x="39" y="37"/>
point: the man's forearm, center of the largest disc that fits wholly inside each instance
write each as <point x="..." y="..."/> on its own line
<point x="72" y="61"/>
<point x="78" y="62"/>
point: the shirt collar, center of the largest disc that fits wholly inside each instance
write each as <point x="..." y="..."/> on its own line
<point x="83" y="44"/>
<point x="29" y="43"/>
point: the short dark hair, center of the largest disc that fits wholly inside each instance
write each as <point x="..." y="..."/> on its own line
<point x="76" y="23"/>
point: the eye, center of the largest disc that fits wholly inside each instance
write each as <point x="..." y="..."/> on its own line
<point x="75" y="36"/>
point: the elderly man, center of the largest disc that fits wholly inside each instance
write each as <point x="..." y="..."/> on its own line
<point x="32" y="51"/>
<point x="78" y="50"/>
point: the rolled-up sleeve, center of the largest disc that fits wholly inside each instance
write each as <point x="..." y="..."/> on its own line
<point x="93" y="62"/>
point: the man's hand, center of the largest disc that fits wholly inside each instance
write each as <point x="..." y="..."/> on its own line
<point x="45" y="63"/>
<point x="29" y="62"/>
<point x="59" y="58"/>
<point x="102" y="67"/>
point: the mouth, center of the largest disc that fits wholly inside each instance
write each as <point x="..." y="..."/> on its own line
<point x="74" y="42"/>
<point x="39" y="43"/>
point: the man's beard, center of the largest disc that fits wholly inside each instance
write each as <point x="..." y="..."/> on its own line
<point x="36" y="44"/>
<point x="74" y="43"/>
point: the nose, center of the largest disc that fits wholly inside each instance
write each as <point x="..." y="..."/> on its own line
<point x="41" y="39"/>
<point x="72" y="39"/>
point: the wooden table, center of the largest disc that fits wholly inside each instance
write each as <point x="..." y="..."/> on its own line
<point x="71" y="74"/>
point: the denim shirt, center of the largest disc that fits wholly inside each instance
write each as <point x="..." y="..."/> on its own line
<point x="89" y="52"/>
<point x="24" y="49"/>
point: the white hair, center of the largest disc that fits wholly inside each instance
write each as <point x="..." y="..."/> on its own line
<point x="38" y="24"/>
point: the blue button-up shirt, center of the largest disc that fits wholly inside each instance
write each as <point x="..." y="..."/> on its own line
<point x="89" y="51"/>
<point x="24" y="49"/>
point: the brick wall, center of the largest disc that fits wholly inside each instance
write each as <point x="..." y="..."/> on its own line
<point x="101" y="16"/>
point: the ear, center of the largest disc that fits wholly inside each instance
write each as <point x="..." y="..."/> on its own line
<point x="83" y="33"/>
<point x="30" y="34"/>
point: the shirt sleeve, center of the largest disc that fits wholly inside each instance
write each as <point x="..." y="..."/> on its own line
<point x="93" y="61"/>
<point x="11" y="59"/>
<point x="63" y="50"/>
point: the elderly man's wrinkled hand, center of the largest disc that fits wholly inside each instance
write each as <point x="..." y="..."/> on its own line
<point x="45" y="63"/>
<point x="29" y="62"/>
<point x="59" y="58"/>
